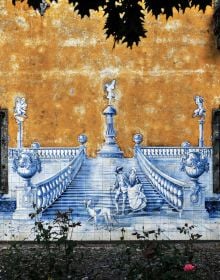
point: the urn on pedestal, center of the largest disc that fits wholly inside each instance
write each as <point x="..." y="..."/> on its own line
<point x="26" y="164"/>
<point x="195" y="164"/>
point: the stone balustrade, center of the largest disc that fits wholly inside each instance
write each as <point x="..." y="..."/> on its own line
<point x="49" y="153"/>
<point x="49" y="190"/>
<point x="174" y="152"/>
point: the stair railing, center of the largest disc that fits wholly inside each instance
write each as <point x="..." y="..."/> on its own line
<point x="170" y="189"/>
<point x="51" y="189"/>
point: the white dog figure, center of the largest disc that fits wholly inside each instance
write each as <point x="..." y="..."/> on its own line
<point x="95" y="212"/>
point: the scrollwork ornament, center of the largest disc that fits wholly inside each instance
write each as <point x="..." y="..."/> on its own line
<point x="194" y="197"/>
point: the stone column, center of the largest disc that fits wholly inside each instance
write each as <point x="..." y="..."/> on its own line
<point x="20" y="135"/>
<point x="20" y="115"/>
<point x="110" y="148"/>
<point x="201" y="133"/>
<point x="200" y="112"/>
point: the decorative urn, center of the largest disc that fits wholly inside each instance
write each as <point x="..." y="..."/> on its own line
<point x="27" y="164"/>
<point x="194" y="164"/>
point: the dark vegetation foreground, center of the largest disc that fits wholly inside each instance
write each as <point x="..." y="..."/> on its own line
<point x="120" y="260"/>
<point x="54" y="256"/>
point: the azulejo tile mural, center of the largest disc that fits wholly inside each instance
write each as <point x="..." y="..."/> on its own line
<point x="159" y="187"/>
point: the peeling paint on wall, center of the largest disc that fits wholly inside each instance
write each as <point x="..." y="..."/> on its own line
<point x="50" y="56"/>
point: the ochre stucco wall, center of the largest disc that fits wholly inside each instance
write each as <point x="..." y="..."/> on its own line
<point x="60" y="63"/>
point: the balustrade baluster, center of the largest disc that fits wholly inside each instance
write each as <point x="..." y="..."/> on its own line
<point x="44" y="196"/>
<point x="61" y="153"/>
<point x="48" y="193"/>
<point x="47" y="153"/>
<point x="51" y="193"/>
<point x="68" y="153"/>
<point x="58" y="153"/>
<point x="39" y="197"/>
<point x="43" y="154"/>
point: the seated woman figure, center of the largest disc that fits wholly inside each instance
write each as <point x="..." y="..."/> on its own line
<point x="136" y="197"/>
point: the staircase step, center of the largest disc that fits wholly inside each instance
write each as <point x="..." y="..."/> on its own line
<point x="99" y="203"/>
<point x="94" y="180"/>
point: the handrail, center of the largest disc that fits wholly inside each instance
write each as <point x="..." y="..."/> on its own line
<point x="172" y="190"/>
<point x="52" y="188"/>
<point x="174" y="151"/>
<point x="49" y="152"/>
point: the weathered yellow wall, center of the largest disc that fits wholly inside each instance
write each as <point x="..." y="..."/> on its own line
<point x="60" y="64"/>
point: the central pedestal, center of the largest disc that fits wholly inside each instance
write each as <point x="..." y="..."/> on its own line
<point x="110" y="151"/>
<point x="110" y="148"/>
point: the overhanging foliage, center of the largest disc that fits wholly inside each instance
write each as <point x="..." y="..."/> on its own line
<point x="124" y="18"/>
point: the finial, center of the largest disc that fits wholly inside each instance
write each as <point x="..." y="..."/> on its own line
<point x="138" y="139"/>
<point x="82" y="139"/>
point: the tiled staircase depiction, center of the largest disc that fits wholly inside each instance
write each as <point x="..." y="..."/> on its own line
<point x="86" y="184"/>
<point x="93" y="182"/>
